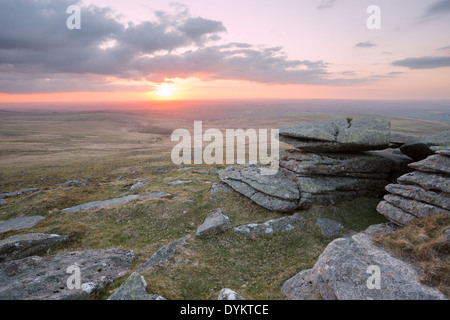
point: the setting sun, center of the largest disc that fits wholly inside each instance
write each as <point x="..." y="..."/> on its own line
<point x="165" y="90"/>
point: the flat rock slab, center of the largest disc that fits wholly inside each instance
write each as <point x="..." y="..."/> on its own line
<point x="435" y="164"/>
<point x="341" y="273"/>
<point x="216" y="222"/>
<point x="138" y="185"/>
<point x="45" y="278"/>
<point x="17" y="193"/>
<point x="177" y="182"/>
<point x="24" y="245"/>
<point x="339" y="135"/>
<point x="284" y="224"/>
<point x="134" y="288"/>
<point x="101" y="204"/>
<point x="329" y="228"/>
<point x="19" y="223"/>
<point x="163" y="255"/>
<point x="428" y="181"/>
<point x="156" y="195"/>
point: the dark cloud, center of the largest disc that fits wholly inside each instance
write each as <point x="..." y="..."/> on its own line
<point x="39" y="54"/>
<point x="438" y="8"/>
<point x="366" y="44"/>
<point x="444" y="48"/>
<point x="325" y="4"/>
<point x="423" y="62"/>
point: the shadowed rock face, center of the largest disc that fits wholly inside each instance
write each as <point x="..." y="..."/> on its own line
<point x="341" y="273"/>
<point x="423" y="147"/>
<point x="339" y="135"/>
<point x="419" y="193"/>
<point x="45" y="278"/>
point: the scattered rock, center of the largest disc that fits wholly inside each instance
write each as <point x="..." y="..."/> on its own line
<point x="45" y="278"/>
<point x="219" y="187"/>
<point x="24" y="245"/>
<point x="134" y="289"/>
<point x="2" y="202"/>
<point x="101" y="204"/>
<point x="138" y="185"/>
<point x="341" y="273"/>
<point x="274" y="192"/>
<point x="19" y="223"/>
<point x="330" y="229"/>
<point x="228" y="294"/>
<point x="284" y="224"/>
<point x="177" y="182"/>
<point x="215" y="222"/>
<point x="17" y="193"/>
<point x="339" y="135"/>
<point x="73" y="183"/>
<point x="163" y="255"/>
<point x="421" y="148"/>
<point x="156" y="195"/>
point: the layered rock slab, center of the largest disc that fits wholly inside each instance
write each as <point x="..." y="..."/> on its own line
<point x="339" y="135"/>
<point x="276" y="192"/>
<point x="419" y="193"/>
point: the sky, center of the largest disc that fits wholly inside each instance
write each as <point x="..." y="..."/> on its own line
<point x="137" y="50"/>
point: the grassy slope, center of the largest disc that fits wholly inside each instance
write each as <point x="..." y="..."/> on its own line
<point x="43" y="151"/>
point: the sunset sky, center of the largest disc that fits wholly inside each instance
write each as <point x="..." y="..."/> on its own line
<point x="214" y="49"/>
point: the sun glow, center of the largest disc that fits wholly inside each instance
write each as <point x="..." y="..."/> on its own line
<point x="165" y="91"/>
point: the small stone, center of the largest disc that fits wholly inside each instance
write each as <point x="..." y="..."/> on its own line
<point x="73" y="183"/>
<point x="177" y="182"/>
<point x="2" y="202"/>
<point x="138" y="185"/>
<point x="330" y="229"/>
<point x="215" y="222"/>
<point x="228" y="294"/>
<point x="101" y="204"/>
